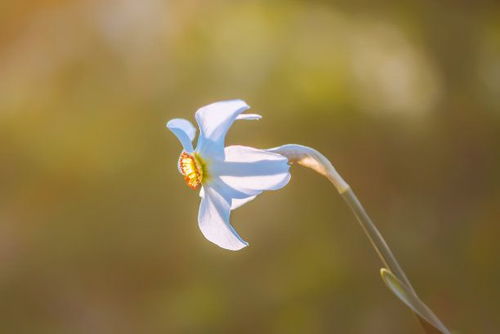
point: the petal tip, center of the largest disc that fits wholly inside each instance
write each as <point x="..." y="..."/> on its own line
<point x="244" y="245"/>
<point x="237" y="248"/>
<point x="230" y="246"/>
<point x="240" y="101"/>
<point x="249" y="117"/>
<point x="184" y="131"/>
<point x="171" y="122"/>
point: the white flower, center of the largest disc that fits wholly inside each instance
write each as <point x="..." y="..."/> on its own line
<point x="229" y="176"/>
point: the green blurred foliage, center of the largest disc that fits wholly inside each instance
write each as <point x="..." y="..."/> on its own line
<point x="98" y="232"/>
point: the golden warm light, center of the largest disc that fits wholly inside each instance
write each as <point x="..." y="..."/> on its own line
<point x="98" y="234"/>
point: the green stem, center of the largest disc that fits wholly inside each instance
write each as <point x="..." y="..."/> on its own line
<point x="377" y="240"/>
<point x="387" y="257"/>
<point x="313" y="159"/>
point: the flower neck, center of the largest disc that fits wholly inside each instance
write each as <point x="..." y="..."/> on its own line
<point x="309" y="157"/>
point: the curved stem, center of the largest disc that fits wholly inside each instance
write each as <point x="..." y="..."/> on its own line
<point x="375" y="237"/>
<point x="313" y="159"/>
<point x="378" y="242"/>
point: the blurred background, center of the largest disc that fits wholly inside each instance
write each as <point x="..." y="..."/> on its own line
<point x="98" y="232"/>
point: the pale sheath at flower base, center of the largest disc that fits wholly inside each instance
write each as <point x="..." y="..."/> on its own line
<point x="228" y="176"/>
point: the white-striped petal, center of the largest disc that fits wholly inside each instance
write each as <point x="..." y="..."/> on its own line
<point x="213" y="220"/>
<point x="184" y="131"/>
<point x="214" y="121"/>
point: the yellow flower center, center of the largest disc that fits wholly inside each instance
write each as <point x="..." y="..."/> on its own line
<point x="193" y="169"/>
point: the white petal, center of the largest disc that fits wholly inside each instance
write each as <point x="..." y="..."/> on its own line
<point x="250" y="117"/>
<point x="214" y="121"/>
<point x="213" y="220"/>
<point x="184" y="131"/>
<point x="250" y="171"/>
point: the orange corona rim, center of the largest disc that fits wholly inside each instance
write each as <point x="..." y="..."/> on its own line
<point x="192" y="167"/>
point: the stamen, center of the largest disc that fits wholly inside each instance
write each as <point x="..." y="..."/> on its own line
<point x="191" y="167"/>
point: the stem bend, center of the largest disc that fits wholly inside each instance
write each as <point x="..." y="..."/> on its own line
<point x="311" y="158"/>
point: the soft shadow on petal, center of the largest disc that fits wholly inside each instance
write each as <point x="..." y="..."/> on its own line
<point x="251" y="170"/>
<point x="184" y="131"/>
<point x="213" y="220"/>
<point x="237" y="202"/>
<point x="237" y="198"/>
<point x="214" y="121"/>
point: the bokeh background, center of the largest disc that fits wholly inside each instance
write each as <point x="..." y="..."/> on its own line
<point x="98" y="231"/>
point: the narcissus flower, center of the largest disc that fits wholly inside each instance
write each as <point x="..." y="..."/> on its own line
<point x="228" y="177"/>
